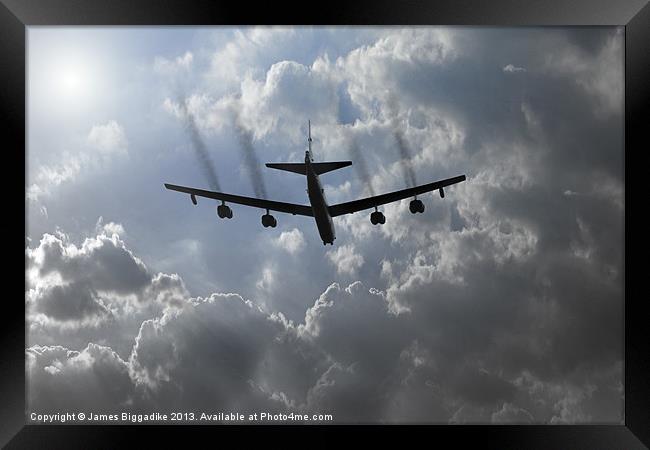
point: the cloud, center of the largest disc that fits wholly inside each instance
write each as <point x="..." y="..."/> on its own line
<point x="600" y="74"/>
<point x="289" y="93"/>
<point x="241" y="54"/>
<point x="94" y="291"/>
<point x="501" y="303"/>
<point x="292" y="241"/>
<point x="345" y="259"/>
<point x="513" y="69"/>
<point x="103" y="261"/>
<point x="95" y="378"/>
<point x="52" y="176"/>
<point x="102" y="143"/>
<point x="510" y="413"/>
<point x="351" y="355"/>
<point x="164" y="66"/>
<point x="109" y="228"/>
<point x="73" y="301"/>
<point x="229" y="340"/>
<point x="340" y="193"/>
<point x="267" y="280"/>
<point x="277" y="96"/>
<point x="108" y="138"/>
<point x="374" y="71"/>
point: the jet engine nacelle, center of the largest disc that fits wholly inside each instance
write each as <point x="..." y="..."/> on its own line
<point x="193" y="198"/>
<point x="416" y="206"/>
<point x="224" y="212"/>
<point x="377" y="217"/>
<point x="269" y="221"/>
<point x="442" y="192"/>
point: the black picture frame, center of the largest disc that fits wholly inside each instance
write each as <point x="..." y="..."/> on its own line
<point x="16" y="15"/>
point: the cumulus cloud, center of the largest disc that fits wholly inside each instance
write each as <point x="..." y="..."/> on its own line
<point x="345" y="259"/>
<point x="95" y="378"/>
<point x="230" y="338"/>
<point x="166" y="66"/>
<point x="273" y="99"/>
<point x="239" y="55"/>
<point x="108" y="138"/>
<point x="350" y="355"/>
<point x="104" y="261"/>
<point x="509" y="68"/>
<point x="109" y="228"/>
<point x="273" y="104"/>
<point x="373" y="71"/>
<point x="97" y="289"/>
<point x="510" y="413"/>
<point x="102" y="143"/>
<point x="293" y="241"/>
<point x="69" y="302"/>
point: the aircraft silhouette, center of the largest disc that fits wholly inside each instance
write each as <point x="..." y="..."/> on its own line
<point x="318" y="207"/>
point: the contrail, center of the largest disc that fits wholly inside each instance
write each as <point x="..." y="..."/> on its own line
<point x="251" y="160"/>
<point x="199" y="147"/>
<point x="361" y="166"/>
<point x="405" y="159"/>
<point x="404" y="151"/>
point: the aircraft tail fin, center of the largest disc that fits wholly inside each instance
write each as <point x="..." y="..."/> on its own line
<point x="319" y="167"/>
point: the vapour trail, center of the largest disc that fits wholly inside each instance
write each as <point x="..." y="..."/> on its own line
<point x="199" y="147"/>
<point x="405" y="158"/>
<point x="402" y="146"/>
<point x="251" y="161"/>
<point x="361" y="166"/>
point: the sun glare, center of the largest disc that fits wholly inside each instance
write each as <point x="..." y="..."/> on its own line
<point x="65" y="76"/>
<point x="73" y="81"/>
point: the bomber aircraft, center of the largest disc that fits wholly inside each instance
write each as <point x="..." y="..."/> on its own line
<point x="318" y="207"/>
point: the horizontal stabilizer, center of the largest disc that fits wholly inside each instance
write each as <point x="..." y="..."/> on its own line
<point x="319" y="167"/>
<point x="289" y="167"/>
<point x="324" y="167"/>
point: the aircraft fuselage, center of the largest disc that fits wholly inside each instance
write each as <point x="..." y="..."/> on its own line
<point x="319" y="203"/>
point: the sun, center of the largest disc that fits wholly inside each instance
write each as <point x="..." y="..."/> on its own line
<point x="70" y="73"/>
<point x="73" y="81"/>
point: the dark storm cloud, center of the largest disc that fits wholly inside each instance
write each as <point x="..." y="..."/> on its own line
<point x="73" y="301"/>
<point x="164" y="352"/>
<point x="237" y="357"/>
<point x="94" y="379"/>
<point x="104" y="262"/>
<point x="96" y="292"/>
<point x="350" y="356"/>
<point x="498" y="289"/>
<point x="494" y="315"/>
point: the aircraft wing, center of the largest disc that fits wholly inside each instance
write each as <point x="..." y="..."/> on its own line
<point x="290" y="208"/>
<point x="371" y="202"/>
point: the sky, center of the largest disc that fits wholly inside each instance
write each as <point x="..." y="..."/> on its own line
<point x="502" y="303"/>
